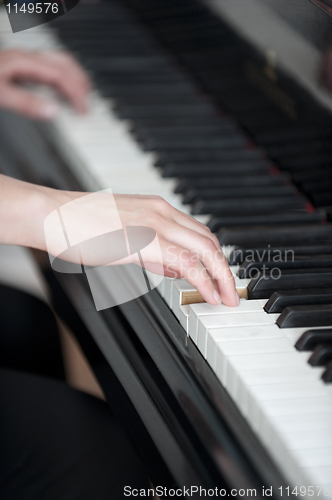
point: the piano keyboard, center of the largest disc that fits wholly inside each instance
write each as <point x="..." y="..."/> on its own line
<point x="151" y="130"/>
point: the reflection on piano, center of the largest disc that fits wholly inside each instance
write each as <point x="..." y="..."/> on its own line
<point x="216" y="107"/>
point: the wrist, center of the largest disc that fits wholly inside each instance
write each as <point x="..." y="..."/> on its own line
<point x="41" y="202"/>
<point x="23" y="210"/>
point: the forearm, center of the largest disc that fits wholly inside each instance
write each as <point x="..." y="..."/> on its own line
<point x="23" y="209"/>
<point x="186" y="248"/>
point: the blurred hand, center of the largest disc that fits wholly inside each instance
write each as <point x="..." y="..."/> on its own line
<point x="57" y="69"/>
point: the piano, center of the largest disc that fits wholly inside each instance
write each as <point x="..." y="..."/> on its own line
<point x="219" y="107"/>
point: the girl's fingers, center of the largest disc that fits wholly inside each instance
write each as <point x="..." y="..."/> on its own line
<point x="22" y="102"/>
<point x="49" y="69"/>
<point x="205" y="251"/>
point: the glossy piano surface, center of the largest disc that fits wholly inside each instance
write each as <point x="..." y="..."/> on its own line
<point x="220" y="108"/>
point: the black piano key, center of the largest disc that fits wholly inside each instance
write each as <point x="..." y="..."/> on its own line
<point x="280" y="300"/>
<point x="127" y="67"/>
<point x="220" y="83"/>
<point x="295" y="148"/>
<point x="327" y="375"/>
<point x="321" y="199"/>
<point x="193" y="195"/>
<point x="213" y="168"/>
<point x="205" y="60"/>
<point x="248" y="205"/>
<point x="229" y="141"/>
<point x="238" y="102"/>
<point x="306" y="161"/>
<point x="308" y="176"/>
<point x="312" y="338"/>
<point x="321" y="356"/>
<point x="255" y="122"/>
<point x="224" y="127"/>
<point x="307" y="315"/>
<point x="320" y="185"/>
<point x="206" y="182"/>
<point x="239" y="254"/>
<point x="281" y="218"/>
<point x="284" y="235"/>
<point x="141" y="79"/>
<point x="157" y="89"/>
<point x="265" y="284"/>
<point x="170" y="121"/>
<point x="195" y="111"/>
<point x="291" y="134"/>
<point x="148" y="100"/>
<point x="249" y="268"/>
<point x="187" y="158"/>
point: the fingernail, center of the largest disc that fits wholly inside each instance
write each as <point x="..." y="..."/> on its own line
<point x="237" y="298"/>
<point x="48" y="110"/>
<point x="216" y="296"/>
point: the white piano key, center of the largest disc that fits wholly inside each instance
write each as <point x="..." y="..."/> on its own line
<point x="254" y="406"/>
<point x="184" y="316"/>
<point x="161" y="287"/>
<point x="234" y="270"/>
<point x="309" y="457"/>
<point x="308" y="422"/>
<point x="297" y="406"/>
<point x="179" y="286"/>
<point x="278" y="376"/>
<point x="154" y="279"/>
<point x="261" y="346"/>
<point x="235" y="333"/>
<point x="241" y="284"/>
<point x="227" y="250"/>
<point x="229" y="350"/>
<point x="198" y="310"/>
<point x="236" y="364"/>
<point x="266" y="380"/>
<point x="265" y="420"/>
<point x="302" y="440"/>
<point x="206" y="323"/>
<point x="295" y="333"/>
<point x="288" y="463"/>
<point x="167" y="291"/>
<point x="321" y="476"/>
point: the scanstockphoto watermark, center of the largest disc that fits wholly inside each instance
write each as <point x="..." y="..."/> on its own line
<point x="314" y="491"/>
<point x="24" y="15"/>
<point x="86" y="235"/>
<point x="190" y="492"/>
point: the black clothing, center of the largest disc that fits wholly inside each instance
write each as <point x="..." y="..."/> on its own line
<point x="56" y="443"/>
<point x="29" y="336"/>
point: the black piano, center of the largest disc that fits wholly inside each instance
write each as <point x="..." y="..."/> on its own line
<point x="229" y="100"/>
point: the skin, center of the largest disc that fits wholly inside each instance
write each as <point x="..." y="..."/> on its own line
<point x="186" y="244"/>
<point x="47" y="68"/>
<point x="189" y="249"/>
